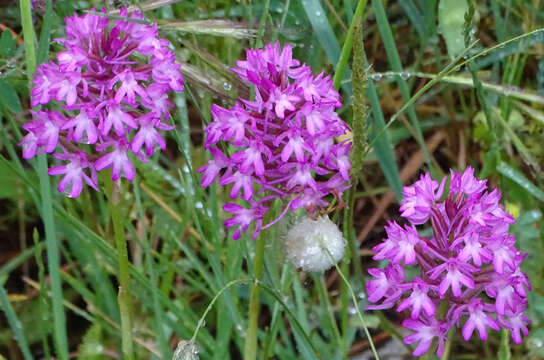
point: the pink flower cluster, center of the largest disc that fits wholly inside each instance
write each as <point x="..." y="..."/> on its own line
<point x="283" y="141"/>
<point x="113" y="85"/>
<point x="469" y="270"/>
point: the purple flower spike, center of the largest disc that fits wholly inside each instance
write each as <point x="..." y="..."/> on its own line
<point x="113" y="80"/>
<point x="469" y="264"/>
<point x="280" y="141"/>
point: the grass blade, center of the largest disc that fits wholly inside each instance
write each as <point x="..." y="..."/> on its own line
<point x="51" y="241"/>
<point x="520" y="179"/>
<point x="394" y="60"/>
<point x="14" y="323"/>
<point x="326" y="36"/>
<point x="414" y="15"/>
<point x="45" y="34"/>
<point x="346" y="49"/>
<point x="381" y="143"/>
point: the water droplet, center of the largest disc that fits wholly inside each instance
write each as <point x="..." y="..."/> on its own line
<point x="318" y="13"/>
<point x="404" y="75"/>
<point x="376" y="77"/>
<point x="361" y="295"/>
<point x="352" y="310"/>
<point x="240" y="330"/>
<point x="199" y="205"/>
<point x="227" y="86"/>
<point x="201" y="323"/>
<point x="513" y="88"/>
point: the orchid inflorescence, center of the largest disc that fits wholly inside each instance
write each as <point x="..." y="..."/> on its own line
<point x="469" y="269"/>
<point x="113" y="85"/>
<point x="281" y="140"/>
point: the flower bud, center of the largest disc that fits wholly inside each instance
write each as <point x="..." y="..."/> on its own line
<point x="307" y="242"/>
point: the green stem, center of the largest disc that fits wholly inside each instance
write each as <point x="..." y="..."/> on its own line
<point x="28" y="35"/>
<point x="262" y="24"/>
<point x="324" y="299"/>
<point x="124" y="276"/>
<point x="250" y="347"/>
<point x="346" y="48"/>
<point x="447" y="350"/>
<point x="14" y="323"/>
<point x="51" y="241"/>
<point x="287" y="278"/>
<point x="355" y="303"/>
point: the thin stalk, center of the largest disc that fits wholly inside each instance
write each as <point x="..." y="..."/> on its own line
<point x="250" y="347"/>
<point x="274" y="294"/>
<point x="42" y="298"/>
<point x="159" y="314"/>
<point x="285" y="281"/>
<point x="51" y="241"/>
<point x="324" y="298"/>
<point x="344" y="301"/>
<point x="346" y="48"/>
<point x="262" y="25"/>
<point x="227" y="286"/>
<point x="447" y="349"/>
<point x="14" y="323"/>
<point x="393" y="57"/>
<point x="28" y="35"/>
<point x="124" y="277"/>
<point x="354" y="299"/>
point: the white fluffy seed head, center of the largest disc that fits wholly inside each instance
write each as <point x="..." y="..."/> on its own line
<point x="306" y="241"/>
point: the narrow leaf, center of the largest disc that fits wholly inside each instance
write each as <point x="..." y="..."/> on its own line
<point x="9" y="97"/>
<point x="520" y="179"/>
<point x="451" y="17"/>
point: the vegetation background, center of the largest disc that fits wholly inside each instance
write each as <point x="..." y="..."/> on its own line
<point x="454" y="91"/>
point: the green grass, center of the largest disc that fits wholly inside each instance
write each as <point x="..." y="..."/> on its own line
<point x="189" y="280"/>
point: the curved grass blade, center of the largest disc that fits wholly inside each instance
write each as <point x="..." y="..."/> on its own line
<point x="520" y="179"/>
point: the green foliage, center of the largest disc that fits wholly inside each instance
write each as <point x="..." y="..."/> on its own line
<point x="91" y="347"/>
<point x="9" y="98"/>
<point x="451" y="18"/>
<point x="185" y="270"/>
<point x="7" y="44"/>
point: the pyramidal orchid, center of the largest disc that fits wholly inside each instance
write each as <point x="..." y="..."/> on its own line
<point x="469" y="269"/>
<point x="111" y="82"/>
<point x="282" y="143"/>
